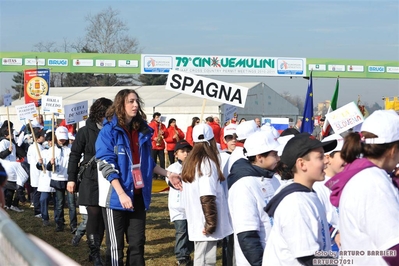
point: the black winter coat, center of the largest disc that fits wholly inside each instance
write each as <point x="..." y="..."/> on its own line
<point x="84" y="143"/>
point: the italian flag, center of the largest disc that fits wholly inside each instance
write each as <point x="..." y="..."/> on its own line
<point x="333" y="106"/>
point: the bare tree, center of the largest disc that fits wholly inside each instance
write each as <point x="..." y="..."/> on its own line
<point x="106" y="33"/>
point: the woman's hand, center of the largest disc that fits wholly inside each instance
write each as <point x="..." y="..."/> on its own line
<point x="175" y="180"/>
<point x="126" y="201"/>
<point x="71" y="186"/>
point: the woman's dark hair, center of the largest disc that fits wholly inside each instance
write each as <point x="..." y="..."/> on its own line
<point x="171" y="121"/>
<point x="354" y="146"/>
<point x="194" y="121"/>
<point x="118" y="109"/>
<point x="99" y="108"/>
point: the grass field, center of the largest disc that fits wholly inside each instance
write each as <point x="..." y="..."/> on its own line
<point x="159" y="249"/>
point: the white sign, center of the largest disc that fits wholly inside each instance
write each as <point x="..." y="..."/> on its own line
<point x="11" y="61"/>
<point x="83" y="62"/>
<point x="317" y="67"/>
<point x="76" y="112"/>
<point x="352" y="68"/>
<point x="128" y="63"/>
<point x="52" y="104"/>
<point x="7" y="99"/>
<point x="229" y="111"/>
<point x="26" y="111"/>
<point x="345" y="118"/>
<point x="392" y="69"/>
<point x="105" y="63"/>
<point x="35" y="62"/>
<point x="206" y="88"/>
<point x="336" y="68"/>
<point x="57" y="62"/>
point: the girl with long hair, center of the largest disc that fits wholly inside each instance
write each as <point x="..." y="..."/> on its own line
<point x="205" y="199"/>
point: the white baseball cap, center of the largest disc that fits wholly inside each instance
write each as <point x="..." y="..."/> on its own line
<point x="338" y="138"/>
<point x="61" y="133"/>
<point x="269" y="128"/>
<point x="202" y="130"/>
<point x="260" y="142"/>
<point x="246" y="129"/>
<point x="283" y="141"/>
<point x="384" y="124"/>
<point x="229" y="130"/>
<point x="70" y="136"/>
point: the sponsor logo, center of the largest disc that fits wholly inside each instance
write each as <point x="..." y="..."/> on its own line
<point x="376" y="69"/>
<point x="290" y="66"/>
<point x="12" y="61"/>
<point x="105" y="63"/>
<point x="391" y="69"/>
<point x="352" y="68"/>
<point x="128" y="63"/>
<point x="317" y="67"/>
<point x="57" y="62"/>
<point x="336" y="68"/>
<point x="83" y="62"/>
<point x="34" y="62"/>
<point x="157" y="63"/>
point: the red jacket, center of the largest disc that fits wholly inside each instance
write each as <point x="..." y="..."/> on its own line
<point x="216" y="130"/>
<point x="223" y="145"/>
<point x="155" y="126"/>
<point x="189" y="135"/>
<point x="170" y="140"/>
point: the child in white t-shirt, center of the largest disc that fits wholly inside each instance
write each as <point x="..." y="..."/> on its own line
<point x="367" y="197"/>
<point x="300" y="229"/>
<point x="183" y="246"/>
<point x="251" y="185"/>
<point x="205" y="201"/>
<point x="335" y="165"/>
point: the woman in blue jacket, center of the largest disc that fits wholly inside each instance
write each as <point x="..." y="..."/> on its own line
<point x="123" y="150"/>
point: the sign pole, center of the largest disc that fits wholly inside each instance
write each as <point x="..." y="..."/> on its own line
<point x="52" y="137"/>
<point x="9" y="129"/>
<point x="36" y="145"/>
<point x="203" y="108"/>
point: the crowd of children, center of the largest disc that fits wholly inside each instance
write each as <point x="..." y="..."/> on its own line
<point x="269" y="198"/>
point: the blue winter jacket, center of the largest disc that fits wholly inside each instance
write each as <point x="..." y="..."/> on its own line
<point x="114" y="157"/>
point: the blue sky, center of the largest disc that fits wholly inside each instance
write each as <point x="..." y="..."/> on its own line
<point x="313" y="29"/>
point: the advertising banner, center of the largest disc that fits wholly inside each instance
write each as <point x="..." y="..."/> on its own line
<point x="36" y="84"/>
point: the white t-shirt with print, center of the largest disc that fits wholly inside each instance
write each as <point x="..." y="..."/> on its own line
<point x="206" y="185"/>
<point x="324" y="193"/>
<point x="369" y="215"/>
<point x="247" y="198"/>
<point x="33" y="158"/>
<point x="299" y="229"/>
<point x="175" y="202"/>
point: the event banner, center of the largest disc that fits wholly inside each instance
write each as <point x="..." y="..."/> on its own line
<point x="260" y="66"/>
<point x="36" y="84"/>
<point x="224" y="65"/>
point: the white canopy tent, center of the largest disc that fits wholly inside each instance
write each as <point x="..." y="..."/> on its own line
<point x="261" y="101"/>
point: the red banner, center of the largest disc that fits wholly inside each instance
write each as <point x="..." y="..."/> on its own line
<point x="36" y="84"/>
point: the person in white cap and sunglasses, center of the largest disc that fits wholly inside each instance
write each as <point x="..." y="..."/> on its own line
<point x="243" y="131"/>
<point x="366" y="194"/>
<point x="251" y="185"/>
<point x="205" y="200"/>
<point x="335" y="165"/>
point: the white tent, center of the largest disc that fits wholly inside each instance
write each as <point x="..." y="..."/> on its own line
<point x="261" y="101"/>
